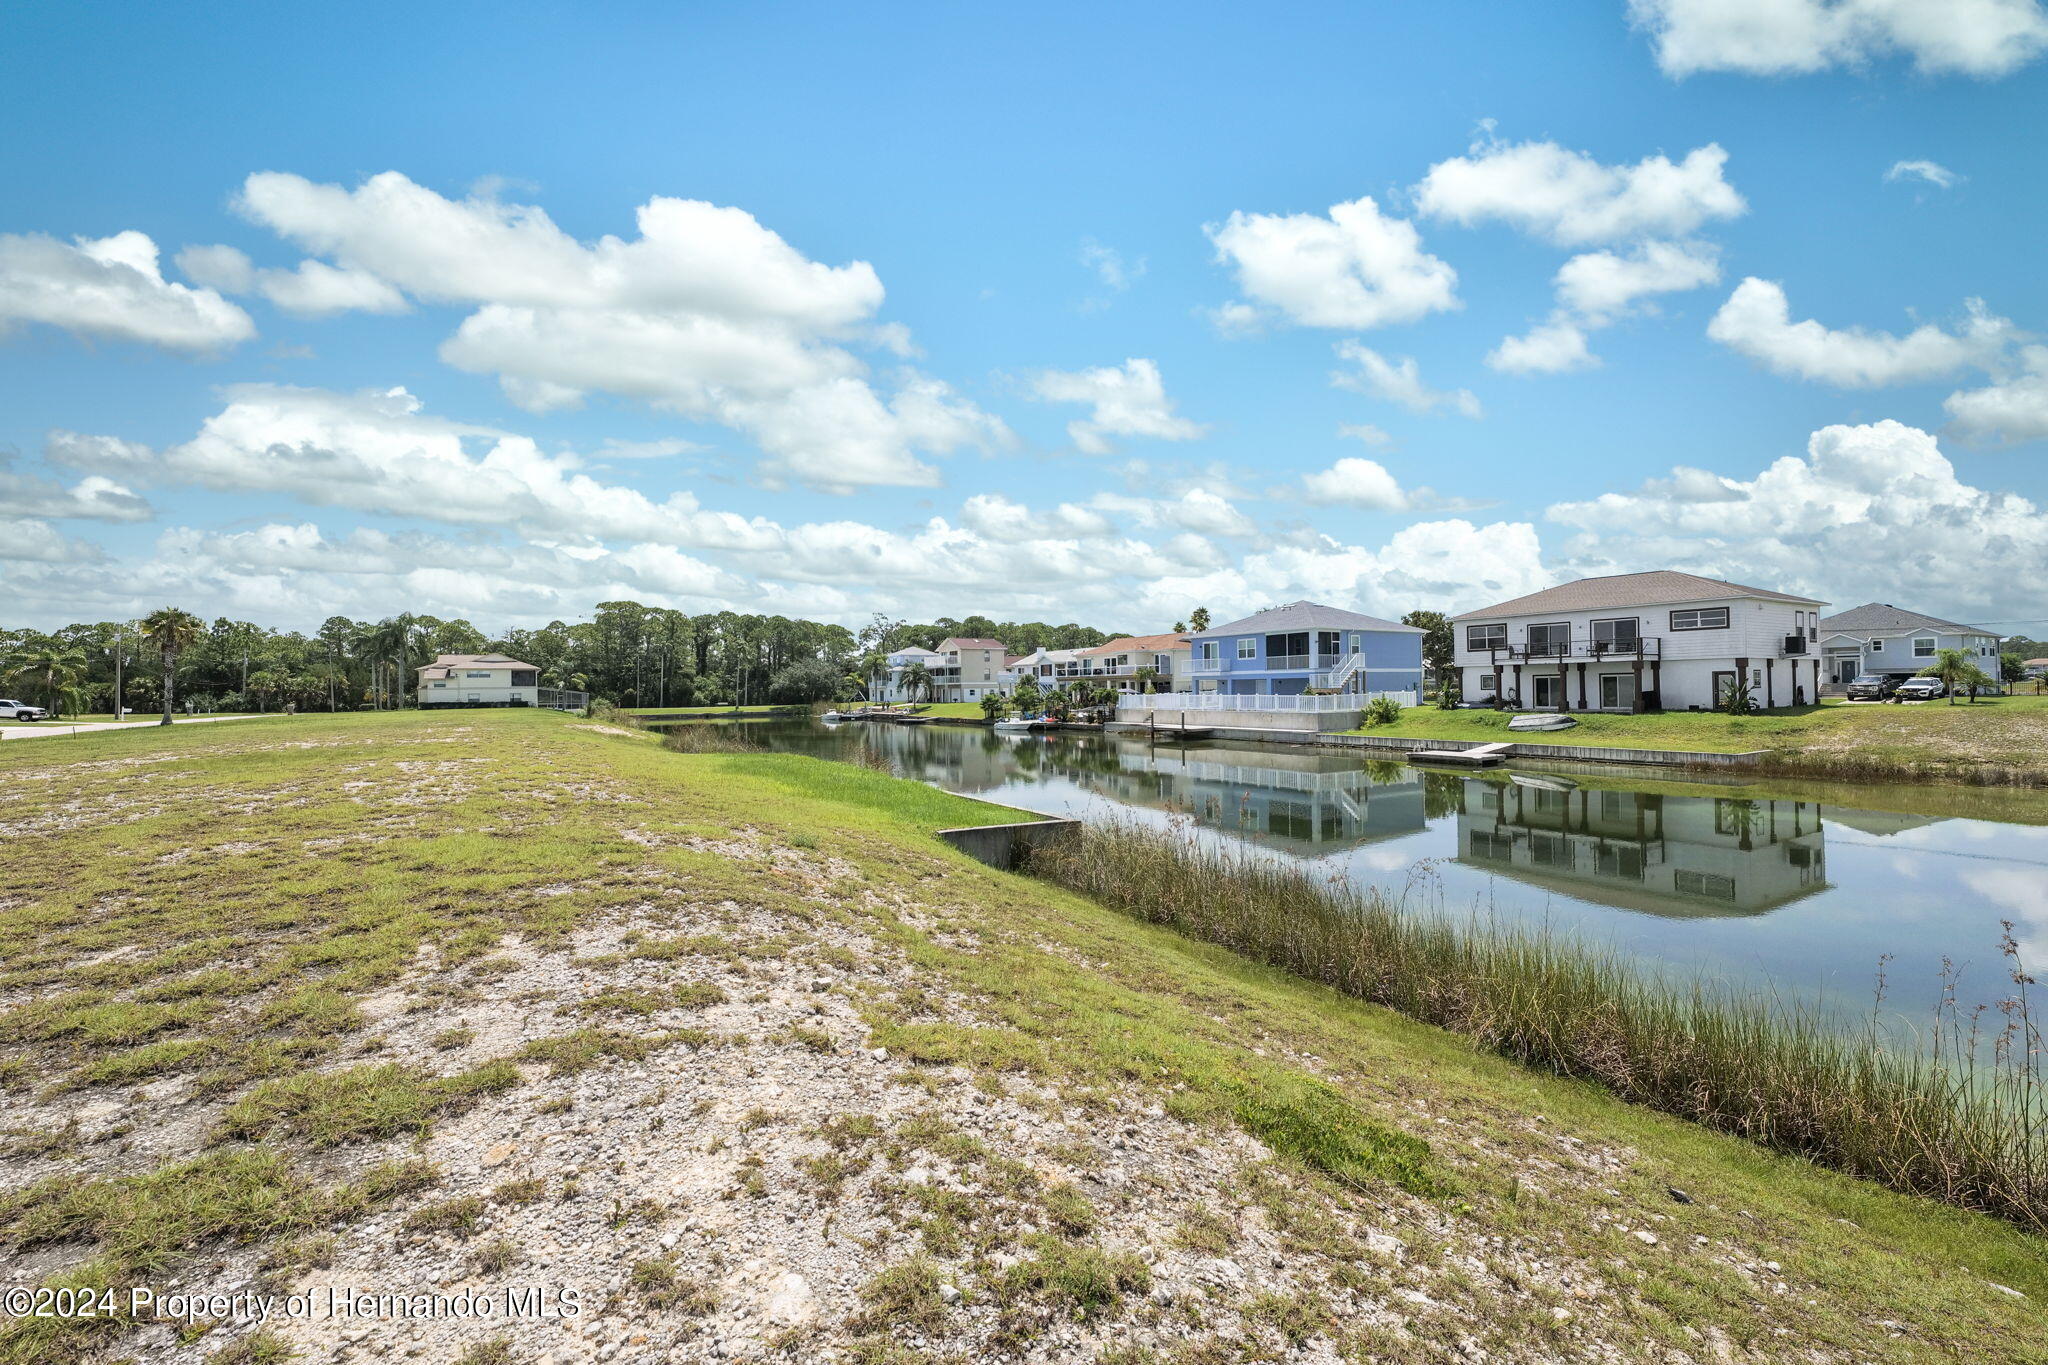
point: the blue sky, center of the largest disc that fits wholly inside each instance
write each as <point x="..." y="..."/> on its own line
<point x="1075" y="313"/>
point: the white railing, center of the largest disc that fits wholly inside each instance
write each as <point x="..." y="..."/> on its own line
<point x="1335" y="678"/>
<point x="1203" y="665"/>
<point x="1230" y="701"/>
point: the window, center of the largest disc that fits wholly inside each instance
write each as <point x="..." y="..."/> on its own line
<point x="1700" y="618"/>
<point x="1554" y="640"/>
<point x="474" y="673"/>
<point x="1498" y="848"/>
<point x="1621" y="862"/>
<point x="1247" y="648"/>
<point x="1617" y="635"/>
<point x="1486" y="637"/>
<point x="1707" y="884"/>
<point x="1923" y="648"/>
<point x="1877" y="646"/>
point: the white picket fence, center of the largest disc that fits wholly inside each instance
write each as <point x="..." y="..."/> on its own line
<point x="1226" y="701"/>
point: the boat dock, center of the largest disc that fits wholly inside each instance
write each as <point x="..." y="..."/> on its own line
<point x="1483" y="756"/>
<point x="1171" y="734"/>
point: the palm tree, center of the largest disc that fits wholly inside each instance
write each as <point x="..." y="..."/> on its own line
<point x="55" y="668"/>
<point x="917" y="680"/>
<point x="1954" y="668"/>
<point x="172" y="631"/>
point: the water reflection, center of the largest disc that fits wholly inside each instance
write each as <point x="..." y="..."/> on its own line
<point x="1683" y="856"/>
<point x="1802" y="896"/>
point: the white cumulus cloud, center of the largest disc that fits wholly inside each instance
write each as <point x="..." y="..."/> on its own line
<point x="1571" y="199"/>
<point x="1354" y="268"/>
<point x="1756" y="321"/>
<point x="2015" y="408"/>
<point x="112" y="288"/>
<point x="1125" y="400"/>
<point x="707" y="313"/>
<point x="1861" y="502"/>
<point x="1983" y="38"/>
<point x="1553" y="347"/>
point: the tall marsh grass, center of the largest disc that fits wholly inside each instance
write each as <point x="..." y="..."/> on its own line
<point x="1960" y="1115"/>
<point x="711" y="737"/>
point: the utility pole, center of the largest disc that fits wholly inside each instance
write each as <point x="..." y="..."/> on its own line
<point x="117" y="675"/>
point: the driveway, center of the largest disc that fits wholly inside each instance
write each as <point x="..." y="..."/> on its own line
<point x="44" y="729"/>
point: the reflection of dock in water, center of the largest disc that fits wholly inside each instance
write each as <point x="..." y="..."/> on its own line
<point x="1675" y="856"/>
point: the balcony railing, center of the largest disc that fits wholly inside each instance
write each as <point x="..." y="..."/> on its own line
<point x="1202" y="665"/>
<point x="1641" y="647"/>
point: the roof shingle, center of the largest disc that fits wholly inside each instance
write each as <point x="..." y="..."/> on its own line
<point x="1652" y="589"/>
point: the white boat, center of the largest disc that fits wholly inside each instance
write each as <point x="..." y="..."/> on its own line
<point x="834" y="717"/>
<point x="1542" y="721"/>
<point x="1018" y="723"/>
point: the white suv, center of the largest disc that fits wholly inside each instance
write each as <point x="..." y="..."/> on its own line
<point x="21" y="710"/>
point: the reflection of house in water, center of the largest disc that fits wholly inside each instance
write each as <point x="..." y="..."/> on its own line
<point x="1305" y="803"/>
<point x="1663" y="855"/>
<point x="1882" y="823"/>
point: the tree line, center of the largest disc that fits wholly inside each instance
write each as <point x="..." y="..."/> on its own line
<point x="628" y="654"/>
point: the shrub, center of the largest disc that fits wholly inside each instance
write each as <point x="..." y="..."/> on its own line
<point x="1382" y="711"/>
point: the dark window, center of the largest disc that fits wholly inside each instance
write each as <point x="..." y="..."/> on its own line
<point x="1554" y="639"/>
<point x="1700" y="618"/>
<point x="1486" y="637"/>
<point x="1618" y="633"/>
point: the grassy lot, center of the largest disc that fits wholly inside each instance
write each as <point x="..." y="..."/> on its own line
<point x="397" y="999"/>
<point x="1926" y="738"/>
<point x="133" y="718"/>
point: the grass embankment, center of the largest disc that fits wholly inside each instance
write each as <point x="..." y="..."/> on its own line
<point x="1994" y="741"/>
<point x="1934" y="1121"/>
<point x="397" y="981"/>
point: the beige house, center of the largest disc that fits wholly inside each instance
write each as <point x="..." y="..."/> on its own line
<point x="490" y="680"/>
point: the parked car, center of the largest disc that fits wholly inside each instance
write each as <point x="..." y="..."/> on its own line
<point x="21" y="710"/>
<point x="1872" y="687"/>
<point x="1921" y="689"/>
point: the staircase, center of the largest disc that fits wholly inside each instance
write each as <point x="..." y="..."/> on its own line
<point x="1334" y="679"/>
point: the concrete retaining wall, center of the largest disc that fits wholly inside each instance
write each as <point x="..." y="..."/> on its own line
<point x="1007" y="846"/>
<point x="1582" y="752"/>
<point x="1244" y="724"/>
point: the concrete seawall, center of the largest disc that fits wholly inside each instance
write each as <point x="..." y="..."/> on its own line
<point x="1392" y="745"/>
<point x="1007" y="846"/>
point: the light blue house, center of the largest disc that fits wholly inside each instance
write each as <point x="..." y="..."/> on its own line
<point x="1305" y="646"/>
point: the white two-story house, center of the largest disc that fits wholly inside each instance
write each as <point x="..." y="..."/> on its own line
<point x="1662" y="640"/>
<point x="1878" y="637"/>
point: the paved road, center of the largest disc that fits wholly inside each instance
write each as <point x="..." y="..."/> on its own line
<point x="44" y="729"/>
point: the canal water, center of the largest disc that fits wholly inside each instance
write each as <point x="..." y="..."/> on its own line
<point x="1797" y="894"/>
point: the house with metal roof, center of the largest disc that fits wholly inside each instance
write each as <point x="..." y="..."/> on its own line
<point x="1662" y="640"/>
<point x="1880" y="638"/>
<point x="1306" y="646"/>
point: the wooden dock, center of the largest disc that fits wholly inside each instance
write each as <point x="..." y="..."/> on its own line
<point x="1484" y="756"/>
<point x="1171" y="734"/>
